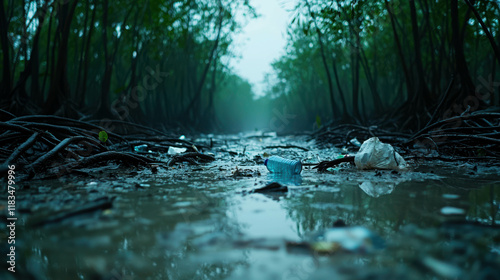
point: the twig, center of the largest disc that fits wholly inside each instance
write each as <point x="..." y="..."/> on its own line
<point x="442" y="101"/>
<point x="22" y="148"/>
<point x="61" y="146"/>
<point x="286" y="147"/>
<point x="322" y="166"/>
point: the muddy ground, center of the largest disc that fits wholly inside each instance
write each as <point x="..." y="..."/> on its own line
<point x="437" y="220"/>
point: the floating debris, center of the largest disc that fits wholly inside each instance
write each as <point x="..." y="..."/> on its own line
<point x="448" y="210"/>
<point x="356" y="239"/>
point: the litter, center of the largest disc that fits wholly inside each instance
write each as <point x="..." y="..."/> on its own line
<point x="374" y="154"/>
<point x="276" y="164"/>
<point x="176" y="151"/>
<point x="356" y="239"/>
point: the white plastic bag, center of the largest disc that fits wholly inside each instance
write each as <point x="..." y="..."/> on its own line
<point x="175" y="151"/>
<point x="374" y="154"/>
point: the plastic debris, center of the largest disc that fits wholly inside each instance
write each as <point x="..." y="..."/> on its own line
<point x="176" y="151"/>
<point x="441" y="268"/>
<point x="450" y="196"/>
<point x="195" y="148"/>
<point x="355" y="142"/>
<point x="376" y="189"/>
<point x="448" y="210"/>
<point x="350" y="239"/>
<point x="276" y="164"/>
<point x="141" y="148"/>
<point x="374" y="154"/>
<point x="182" y="137"/>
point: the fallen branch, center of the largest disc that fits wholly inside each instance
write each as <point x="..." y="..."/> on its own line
<point x="22" y="148"/>
<point x="324" y="165"/>
<point x="60" y="147"/>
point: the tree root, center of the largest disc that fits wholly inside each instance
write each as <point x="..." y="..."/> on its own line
<point x="467" y="136"/>
<point x="37" y="142"/>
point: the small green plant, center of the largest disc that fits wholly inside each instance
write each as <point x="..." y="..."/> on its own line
<point x="318" y="121"/>
<point x="103" y="136"/>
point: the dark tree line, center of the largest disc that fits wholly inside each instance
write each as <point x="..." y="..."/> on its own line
<point x="145" y="61"/>
<point x="412" y="61"/>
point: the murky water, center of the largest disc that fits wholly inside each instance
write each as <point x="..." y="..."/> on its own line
<point x="439" y="220"/>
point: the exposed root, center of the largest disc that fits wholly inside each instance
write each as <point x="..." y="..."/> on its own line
<point x="48" y="146"/>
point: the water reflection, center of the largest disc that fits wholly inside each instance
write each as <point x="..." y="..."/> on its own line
<point x="189" y="231"/>
<point x="285" y="179"/>
<point x="376" y="189"/>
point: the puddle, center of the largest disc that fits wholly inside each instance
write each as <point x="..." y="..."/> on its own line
<point x="201" y="222"/>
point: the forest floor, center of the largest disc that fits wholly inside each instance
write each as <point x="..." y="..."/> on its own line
<point x="205" y="218"/>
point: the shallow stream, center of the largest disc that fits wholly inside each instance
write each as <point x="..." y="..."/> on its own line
<point x="439" y="220"/>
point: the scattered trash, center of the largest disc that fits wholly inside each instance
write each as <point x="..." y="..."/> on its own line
<point x="142" y="185"/>
<point x="374" y="154"/>
<point x="276" y="164"/>
<point x="182" y="137"/>
<point x="448" y="210"/>
<point x="272" y="188"/>
<point x="450" y="196"/>
<point x="348" y="239"/>
<point x="141" y="148"/>
<point x="176" y="151"/>
<point x="441" y="268"/>
<point x="376" y="189"/>
<point x="355" y="142"/>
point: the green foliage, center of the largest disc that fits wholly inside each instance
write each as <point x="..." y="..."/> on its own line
<point x="160" y="56"/>
<point x="361" y="33"/>
<point x="103" y="136"/>
<point x="318" y="121"/>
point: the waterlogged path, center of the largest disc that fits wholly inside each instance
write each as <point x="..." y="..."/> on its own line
<point x="439" y="220"/>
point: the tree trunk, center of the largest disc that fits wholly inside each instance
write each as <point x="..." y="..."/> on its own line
<point x="339" y="87"/>
<point x="325" y="64"/>
<point x="31" y="69"/>
<point x="104" y="105"/>
<point x="35" y="52"/>
<point x="40" y="99"/>
<point x="86" y="59"/>
<point x="409" y="82"/>
<point x="355" y="75"/>
<point x="6" y="85"/>
<point x="461" y="64"/>
<point x="199" y="85"/>
<point x="377" y="101"/>
<point x="423" y="91"/>
<point x="59" y="85"/>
